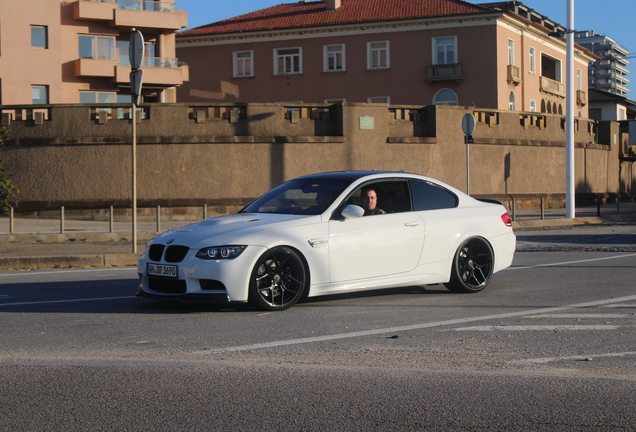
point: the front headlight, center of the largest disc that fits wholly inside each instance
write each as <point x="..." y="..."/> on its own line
<point x="220" y="252"/>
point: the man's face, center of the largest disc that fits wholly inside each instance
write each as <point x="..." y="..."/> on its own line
<point x="369" y="200"/>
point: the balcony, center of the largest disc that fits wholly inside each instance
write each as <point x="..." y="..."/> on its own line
<point x="514" y="75"/>
<point x="86" y="67"/>
<point x="158" y="72"/>
<point x="581" y="97"/>
<point x="553" y="87"/>
<point x="132" y="13"/>
<point x="444" y="72"/>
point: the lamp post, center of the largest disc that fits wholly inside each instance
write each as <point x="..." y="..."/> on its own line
<point x="569" y="110"/>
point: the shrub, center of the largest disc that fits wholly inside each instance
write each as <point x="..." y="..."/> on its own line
<point x="7" y="189"/>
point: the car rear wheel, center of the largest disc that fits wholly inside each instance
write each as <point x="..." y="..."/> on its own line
<point x="278" y="279"/>
<point x="472" y="266"/>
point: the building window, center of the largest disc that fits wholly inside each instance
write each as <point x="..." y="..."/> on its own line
<point x="379" y="99"/>
<point x="334" y="101"/>
<point x="532" y="62"/>
<point x="39" y="37"/>
<point x="243" y="62"/>
<point x="334" y="58"/>
<point x="378" y="55"/>
<point x="512" y="101"/>
<point x="97" y="97"/>
<point x="445" y="97"/>
<point x="288" y="61"/>
<point x="96" y="47"/>
<point x="533" y="105"/>
<point x="579" y="80"/>
<point x="445" y="50"/>
<point x="40" y="94"/>
<point x="551" y="68"/>
<point x="511" y="52"/>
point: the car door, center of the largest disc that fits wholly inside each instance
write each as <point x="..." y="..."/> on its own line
<point x="377" y="245"/>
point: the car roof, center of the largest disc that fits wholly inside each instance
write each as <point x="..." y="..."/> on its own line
<point x="347" y="175"/>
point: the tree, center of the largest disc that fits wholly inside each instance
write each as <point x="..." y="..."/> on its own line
<point x="7" y="189"/>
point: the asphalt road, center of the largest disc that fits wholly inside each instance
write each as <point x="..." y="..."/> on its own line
<point x="549" y="345"/>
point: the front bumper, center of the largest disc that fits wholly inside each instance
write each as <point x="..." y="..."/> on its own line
<point x="199" y="280"/>
<point x="186" y="298"/>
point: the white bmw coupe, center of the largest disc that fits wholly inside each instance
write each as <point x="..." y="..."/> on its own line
<point x="332" y="233"/>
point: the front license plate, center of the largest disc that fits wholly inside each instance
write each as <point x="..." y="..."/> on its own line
<point x="161" y="270"/>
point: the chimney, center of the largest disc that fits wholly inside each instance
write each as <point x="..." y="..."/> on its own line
<point x="333" y="4"/>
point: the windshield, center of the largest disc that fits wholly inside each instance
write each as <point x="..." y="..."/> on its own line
<point x="304" y="197"/>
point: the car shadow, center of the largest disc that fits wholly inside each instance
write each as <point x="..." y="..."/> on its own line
<point x="118" y="297"/>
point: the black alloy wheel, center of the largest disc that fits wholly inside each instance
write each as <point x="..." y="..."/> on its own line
<point x="472" y="266"/>
<point x="278" y="280"/>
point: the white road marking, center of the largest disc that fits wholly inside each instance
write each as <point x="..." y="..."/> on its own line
<point x="571" y="262"/>
<point x="543" y="360"/>
<point x="581" y="316"/>
<point x="66" y="301"/>
<point x="538" y="328"/>
<point x="364" y="333"/>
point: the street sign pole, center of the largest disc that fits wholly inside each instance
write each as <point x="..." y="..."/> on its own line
<point x="468" y="127"/>
<point x="136" y="55"/>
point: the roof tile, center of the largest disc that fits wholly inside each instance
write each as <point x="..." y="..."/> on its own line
<point x="312" y="14"/>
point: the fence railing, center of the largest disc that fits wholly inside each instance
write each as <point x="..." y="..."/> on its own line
<point x="145" y="5"/>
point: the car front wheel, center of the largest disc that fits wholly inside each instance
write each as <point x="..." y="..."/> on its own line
<point x="278" y="279"/>
<point x="472" y="266"/>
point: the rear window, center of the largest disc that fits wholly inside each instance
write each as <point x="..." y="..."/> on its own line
<point x="428" y="196"/>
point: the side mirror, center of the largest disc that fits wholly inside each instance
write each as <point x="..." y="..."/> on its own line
<point x="352" y="211"/>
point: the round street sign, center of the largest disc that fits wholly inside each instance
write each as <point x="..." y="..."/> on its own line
<point x="468" y="124"/>
<point x="136" y="49"/>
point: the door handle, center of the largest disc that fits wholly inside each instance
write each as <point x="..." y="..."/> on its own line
<point x="412" y="224"/>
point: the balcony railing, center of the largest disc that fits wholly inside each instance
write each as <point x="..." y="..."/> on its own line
<point x="581" y="97"/>
<point x="514" y="74"/>
<point x="157" y="62"/>
<point x="551" y="86"/>
<point x="444" y="72"/>
<point x="146" y="5"/>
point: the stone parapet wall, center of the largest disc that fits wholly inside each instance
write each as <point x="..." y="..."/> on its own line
<point x="227" y="154"/>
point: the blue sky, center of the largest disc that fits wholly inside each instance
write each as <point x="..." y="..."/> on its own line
<point x="614" y="18"/>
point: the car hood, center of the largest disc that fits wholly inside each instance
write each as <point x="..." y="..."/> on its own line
<point x="228" y="229"/>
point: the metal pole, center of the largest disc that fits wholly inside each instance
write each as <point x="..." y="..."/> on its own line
<point x="134" y="175"/>
<point x="205" y="211"/>
<point x="542" y="209"/>
<point x="467" y="166"/>
<point x="111" y="219"/>
<point x="11" y="220"/>
<point x="569" y="121"/>
<point x="62" y="220"/>
<point x="158" y="218"/>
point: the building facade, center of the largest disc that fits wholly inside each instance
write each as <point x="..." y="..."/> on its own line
<point x="609" y="72"/>
<point x="77" y="51"/>
<point x="409" y="52"/>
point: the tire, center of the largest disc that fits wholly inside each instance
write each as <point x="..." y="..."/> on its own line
<point x="472" y="266"/>
<point x="278" y="279"/>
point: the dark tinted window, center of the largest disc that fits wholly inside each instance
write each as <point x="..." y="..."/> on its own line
<point x="427" y="196"/>
<point x="393" y="196"/>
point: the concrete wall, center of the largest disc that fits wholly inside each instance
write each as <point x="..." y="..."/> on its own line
<point x="227" y="154"/>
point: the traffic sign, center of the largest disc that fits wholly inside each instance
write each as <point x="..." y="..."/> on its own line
<point x="136" y="79"/>
<point x="136" y="49"/>
<point x="468" y="124"/>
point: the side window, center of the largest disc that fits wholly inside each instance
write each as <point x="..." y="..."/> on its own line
<point x="427" y="196"/>
<point x="383" y="197"/>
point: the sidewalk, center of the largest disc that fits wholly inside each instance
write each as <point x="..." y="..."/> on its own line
<point x="38" y="244"/>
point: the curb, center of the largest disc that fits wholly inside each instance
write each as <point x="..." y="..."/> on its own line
<point x="83" y="235"/>
<point x="40" y="263"/>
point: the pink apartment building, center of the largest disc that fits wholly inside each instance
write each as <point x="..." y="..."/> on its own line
<point x="77" y="51"/>
<point x="405" y="52"/>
